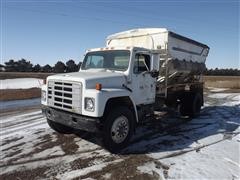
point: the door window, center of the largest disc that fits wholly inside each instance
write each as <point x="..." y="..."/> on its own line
<point x="141" y="63"/>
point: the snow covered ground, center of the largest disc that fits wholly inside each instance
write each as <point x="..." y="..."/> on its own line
<point x="16" y="104"/>
<point x="206" y="147"/>
<point x="20" y="83"/>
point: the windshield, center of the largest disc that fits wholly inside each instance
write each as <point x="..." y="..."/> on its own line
<point x="113" y="59"/>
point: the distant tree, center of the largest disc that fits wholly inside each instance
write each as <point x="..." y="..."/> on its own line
<point x="222" y="72"/>
<point x="59" y="67"/>
<point x="36" y="68"/>
<point x="71" y="66"/>
<point x="11" y="66"/>
<point x="24" y="66"/>
<point x="47" y="68"/>
<point x="237" y="72"/>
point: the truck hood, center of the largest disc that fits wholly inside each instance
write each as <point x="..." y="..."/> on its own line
<point x="89" y="78"/>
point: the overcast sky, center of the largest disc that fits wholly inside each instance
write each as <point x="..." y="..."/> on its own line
<point x="47" y="31"/>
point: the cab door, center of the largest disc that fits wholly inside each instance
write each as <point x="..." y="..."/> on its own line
<point x="143" y="84"/>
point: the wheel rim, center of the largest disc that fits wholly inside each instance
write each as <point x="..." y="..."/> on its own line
<point x="120" y="129"/>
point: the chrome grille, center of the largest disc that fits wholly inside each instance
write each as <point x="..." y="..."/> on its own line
<point x="65" y="95"/>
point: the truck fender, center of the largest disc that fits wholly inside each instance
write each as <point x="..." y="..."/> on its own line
<point x="121" y="101"/>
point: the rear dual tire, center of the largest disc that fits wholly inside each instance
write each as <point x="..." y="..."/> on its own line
<point x="191" y="105"/>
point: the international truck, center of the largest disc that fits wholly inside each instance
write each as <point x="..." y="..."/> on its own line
<point x="120" y="85"/>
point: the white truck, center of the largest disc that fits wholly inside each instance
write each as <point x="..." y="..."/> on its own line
<point x="120" y="85"/>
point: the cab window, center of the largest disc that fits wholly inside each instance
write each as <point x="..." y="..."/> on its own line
<point x="141" y="63"/>
<point x="94" y="62"/>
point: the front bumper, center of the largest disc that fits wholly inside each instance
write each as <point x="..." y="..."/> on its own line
<point x="72" y="120"/>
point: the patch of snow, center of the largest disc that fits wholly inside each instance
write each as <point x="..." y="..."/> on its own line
<point x="220" y="95"/>
<point x="229" y="99"/>
<point x="208" y="140"/>
<point x="56" y="151"/>
<point x="107" y="176"/>
<point x="213" y="89"/>
<point x="19" y="103"/>
<point x="236" y="98"/>
<point x="84" y="145"/>
<point x="17" y="130"/>
<point x="212" y="162"/>
<point x="21" y="83"/>
<point x="150" y="168"/>
<point x="232" y="96"/>
<point x="231" y="161"/>
<point x="34" y="164"/>
<point x="23" y="124"/>
<point x="23" y="129"/>
<point x="20" y="117"/>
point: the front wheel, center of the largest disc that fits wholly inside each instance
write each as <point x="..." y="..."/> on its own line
<point x="118" y="129"/>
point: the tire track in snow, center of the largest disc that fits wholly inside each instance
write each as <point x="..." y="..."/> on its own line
<point x="16" y="123"/>
<point x="181" y="152"/>
<point x="24" y="121"/>
<point x="23" y="127"/>
<point x="50" y="158"/>
<point x="19" y="118"/>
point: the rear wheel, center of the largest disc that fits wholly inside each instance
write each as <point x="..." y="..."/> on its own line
<point x="191" y="104"/>
<point x="59" y="127"/>
<point x="118" y="129"/>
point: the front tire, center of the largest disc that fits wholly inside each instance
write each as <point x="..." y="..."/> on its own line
<point x="59" y="127"/>
<point x="118" y="129"/>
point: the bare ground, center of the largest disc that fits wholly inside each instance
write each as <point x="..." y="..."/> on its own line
<point x="232" y="82"/>
<point x="13" y="75"/>
<point x="19" y="94"/>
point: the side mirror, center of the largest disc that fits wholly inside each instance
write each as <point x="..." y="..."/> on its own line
<point x="154" y="73"/>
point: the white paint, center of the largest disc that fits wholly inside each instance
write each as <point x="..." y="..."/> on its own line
<point x="153" y="38"/>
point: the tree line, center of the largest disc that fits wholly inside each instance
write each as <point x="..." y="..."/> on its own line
<point x="23" y="65"/>
<point x="222" y="72"/>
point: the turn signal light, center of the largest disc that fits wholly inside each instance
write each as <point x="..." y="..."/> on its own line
<point x="98" y="86"/>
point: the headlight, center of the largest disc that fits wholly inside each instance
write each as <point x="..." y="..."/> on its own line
<point x="43" y="95"/>
<point x="89" y="104"/>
